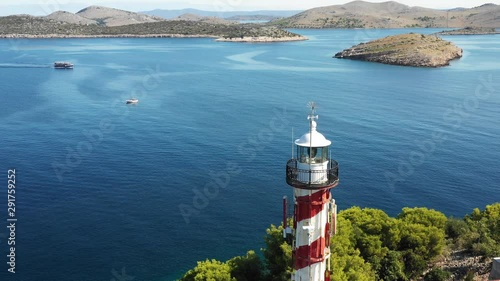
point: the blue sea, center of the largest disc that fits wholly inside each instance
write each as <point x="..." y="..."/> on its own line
<point x="196" y="170"/>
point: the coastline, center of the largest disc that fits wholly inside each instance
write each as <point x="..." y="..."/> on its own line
<point x="470" y="31"/>
<point x="262" y="39"/>
<point x="465" y="33"/>
<point x="62" y="36"/>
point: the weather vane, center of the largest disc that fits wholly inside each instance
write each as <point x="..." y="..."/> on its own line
<point x="312" y="116"/>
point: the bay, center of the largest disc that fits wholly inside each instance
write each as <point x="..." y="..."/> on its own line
<point x="104" y="188"/>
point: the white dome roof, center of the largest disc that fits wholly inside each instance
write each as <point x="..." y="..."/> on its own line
<point x="317" y="140"/>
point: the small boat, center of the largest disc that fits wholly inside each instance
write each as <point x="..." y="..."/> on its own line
<point x="63" y="65"/>
<point x="132" y="100"/>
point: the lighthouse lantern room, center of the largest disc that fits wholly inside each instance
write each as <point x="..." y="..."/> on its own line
<point x="312" y="174"/>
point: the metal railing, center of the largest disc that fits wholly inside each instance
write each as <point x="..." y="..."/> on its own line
<point x="312" y="179"/>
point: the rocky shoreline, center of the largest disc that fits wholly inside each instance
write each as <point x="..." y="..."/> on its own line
<point x="411" y="49"/>
<point x="470" y="31"/>
<point x="460" y="264"/>
<point x="56" y="36"/>
<point x="262" y="39"/>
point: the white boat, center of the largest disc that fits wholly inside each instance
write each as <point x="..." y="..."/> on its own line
<point x="132" y="100"/>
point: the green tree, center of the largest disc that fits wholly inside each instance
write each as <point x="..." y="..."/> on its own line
<point x="455" y="228"/>
<point x="484" y="237"/>
<point x="209" y="270"/>
<point x="421" y="237"/>
<point x="491" y="216"/>
<point x="346" y="260"/>
<point x="371" y="233"/>
<point x="246" y="268"/>
<point x="428" y="242"/>
<point x="277" y="254"/>
<point x="392" y="267"/>
<point x="414" y="264"/>
<point x="423" y="216"/>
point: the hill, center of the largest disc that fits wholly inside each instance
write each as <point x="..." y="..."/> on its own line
<point x="405" y="49"/>
<point x="115" y="17"/>
<point x="67" y="17"/>
<point x="26" y="26"/>
<point x="361" y="14"/>
<point x="169" y="14"/>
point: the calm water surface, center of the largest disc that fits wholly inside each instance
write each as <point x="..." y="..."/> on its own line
<point x="100" y="184"/>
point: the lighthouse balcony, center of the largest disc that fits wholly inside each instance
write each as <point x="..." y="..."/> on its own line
<point x="313" y="178"/>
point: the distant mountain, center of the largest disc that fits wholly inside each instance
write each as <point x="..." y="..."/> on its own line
<point x="361" y="14"/>
<point x="193" y="17"/>
<point x="252" y="18"/>
<point x="115" y="17"/>
<point x="169" y="14"/>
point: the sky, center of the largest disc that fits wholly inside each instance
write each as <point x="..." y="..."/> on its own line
<point x="44" y="7"/>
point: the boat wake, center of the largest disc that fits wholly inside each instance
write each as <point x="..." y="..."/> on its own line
<point x="20" y="65"/>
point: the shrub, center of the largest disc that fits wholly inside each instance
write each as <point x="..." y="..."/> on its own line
<point x="437" y="275"/>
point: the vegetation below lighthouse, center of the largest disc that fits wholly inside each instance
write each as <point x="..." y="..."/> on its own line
<point x="370" y="245"/>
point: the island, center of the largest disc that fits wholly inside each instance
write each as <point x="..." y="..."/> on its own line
<point x="103" y="22"/>
<point x="411" y="49"/>
<point x="470" y="31"/>
<point x="391" y="14"/>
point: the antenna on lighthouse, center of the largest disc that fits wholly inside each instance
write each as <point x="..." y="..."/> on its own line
<point x="311" y="117"/>
<point x="312" y="126"/>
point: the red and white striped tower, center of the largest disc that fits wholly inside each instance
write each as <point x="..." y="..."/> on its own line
<point x="312" y="173"/>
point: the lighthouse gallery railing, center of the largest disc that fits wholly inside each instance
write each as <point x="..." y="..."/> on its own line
<point x="294" y="175"/>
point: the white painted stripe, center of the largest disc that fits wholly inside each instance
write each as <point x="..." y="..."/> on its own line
<point x="316" y="272"/>
<point x="303" y="192"/>
<point x="318" y="223"/>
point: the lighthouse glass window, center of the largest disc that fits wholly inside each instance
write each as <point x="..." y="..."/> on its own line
<point x="312" y="154"/>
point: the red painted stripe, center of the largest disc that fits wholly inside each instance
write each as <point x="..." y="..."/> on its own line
<point x="307" y="255"/>
<point x="327" y="234"/>
<point x="309" y="206"/>
<point x="317" y="198"/>
<point x="306" y="211"/>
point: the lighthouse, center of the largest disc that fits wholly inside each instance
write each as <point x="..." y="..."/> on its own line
<point x="312" y="173"/>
